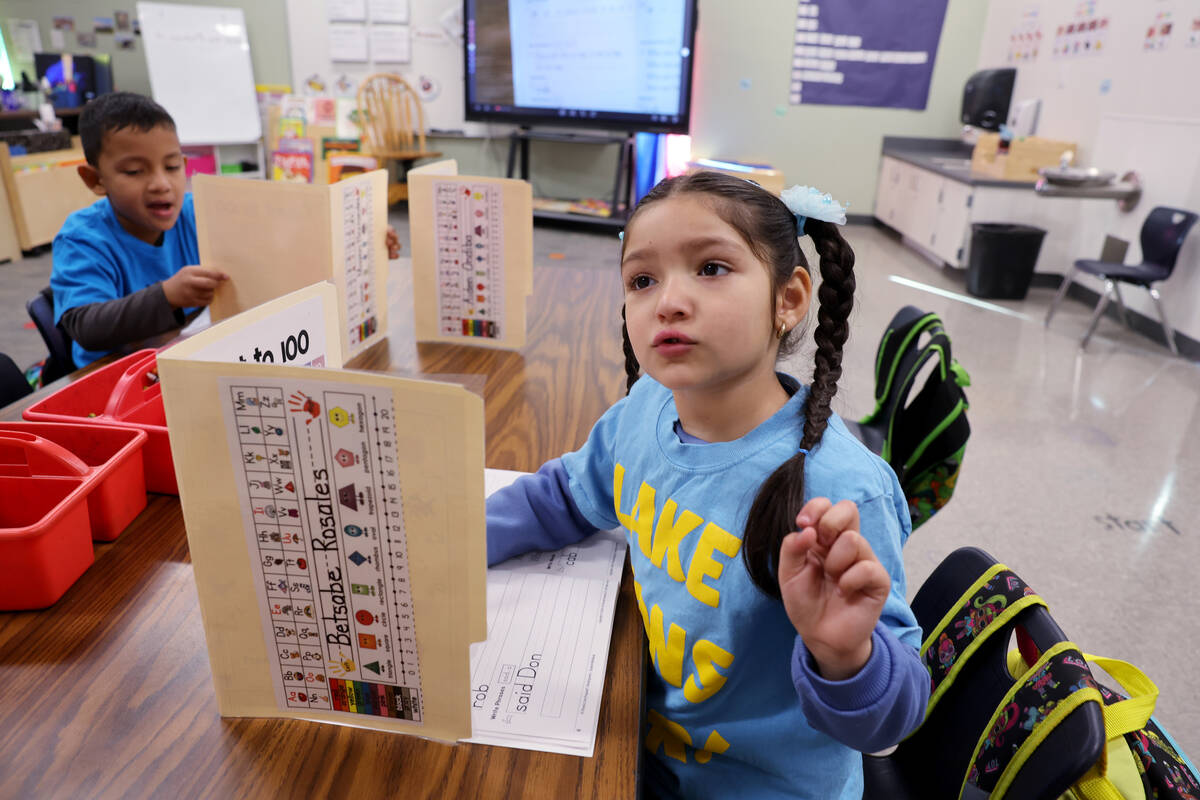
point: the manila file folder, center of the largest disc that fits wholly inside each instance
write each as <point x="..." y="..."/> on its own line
<point x="335" y="521"/>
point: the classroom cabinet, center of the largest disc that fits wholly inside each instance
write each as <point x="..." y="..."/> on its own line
<point x="41" y="190"/>
<point x="929" y="209"/>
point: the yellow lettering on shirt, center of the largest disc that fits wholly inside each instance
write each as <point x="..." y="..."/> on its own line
<point x="705" y="655"/>
<point x="669" y="735"/>
<point x="668" y="533"/>
<point x="641" y="521"/>
<point x="666" y="652"/>
<point x="674" y="739"/>
<point x="714" y="744"/>
<point x="712" y="538"/>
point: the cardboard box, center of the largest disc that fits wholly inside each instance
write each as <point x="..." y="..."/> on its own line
<point x="1023" y="159"/>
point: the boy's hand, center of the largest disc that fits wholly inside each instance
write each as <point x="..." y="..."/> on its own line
<point x="833" y="586"/>
<point x="192" y="286"/>
<point x="392" y="240"/>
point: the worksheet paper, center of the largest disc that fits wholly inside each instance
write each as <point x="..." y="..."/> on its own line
<point x="537" y="682"/>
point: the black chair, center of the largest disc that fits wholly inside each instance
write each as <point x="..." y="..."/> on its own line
<point x="13" y="385"/>
<point x="60" y="361"/>
<point x="1162" y="237"/>
<point x="933" y="761"/>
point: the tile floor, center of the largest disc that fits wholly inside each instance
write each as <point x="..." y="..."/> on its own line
<point x="1078" y="470"/>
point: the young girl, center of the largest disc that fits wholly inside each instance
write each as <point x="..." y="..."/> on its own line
<point x="778" y="629"/>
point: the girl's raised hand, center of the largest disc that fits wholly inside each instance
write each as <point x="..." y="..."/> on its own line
<point x="833" y="586"/>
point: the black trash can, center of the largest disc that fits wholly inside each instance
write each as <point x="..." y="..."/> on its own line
<point x="1003" y="256"/>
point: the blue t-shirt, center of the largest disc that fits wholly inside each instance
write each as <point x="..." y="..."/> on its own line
<point x="96" y="260"/>
<point x="734" y="708"/>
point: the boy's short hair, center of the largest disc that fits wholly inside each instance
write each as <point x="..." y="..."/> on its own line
<point x="114" y="111"/>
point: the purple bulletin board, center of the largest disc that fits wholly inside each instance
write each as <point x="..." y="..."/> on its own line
<point x="865" y="52"/>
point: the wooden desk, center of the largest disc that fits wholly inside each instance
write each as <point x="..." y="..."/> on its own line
<point x="108" y="693"/>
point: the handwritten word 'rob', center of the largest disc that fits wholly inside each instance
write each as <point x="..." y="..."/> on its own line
<point x="1113" y="522"/>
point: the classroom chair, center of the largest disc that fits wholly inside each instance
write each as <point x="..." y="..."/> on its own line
<point x="934" y="760"/>
<point x="1162" y="237"/>
<point x="13" y="385"/>
<point x="393" y="126"/>
<point x="60" y="361"/>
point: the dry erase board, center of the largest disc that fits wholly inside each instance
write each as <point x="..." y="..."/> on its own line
<point x="198" y="58"/>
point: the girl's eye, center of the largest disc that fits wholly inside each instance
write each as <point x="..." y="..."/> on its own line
<point x="712" y="269"/>
<point x="640" y="282"/>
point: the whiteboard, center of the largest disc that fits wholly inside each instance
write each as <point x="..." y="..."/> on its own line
<point x="435" y="54"/>
<point x="198" y="58"/>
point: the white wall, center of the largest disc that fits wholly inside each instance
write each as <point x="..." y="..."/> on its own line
<point x="1122" y="78"/>
<point x="1128" y="108"/>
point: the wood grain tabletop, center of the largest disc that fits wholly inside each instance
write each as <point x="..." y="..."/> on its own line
<point x="108" y="693"/>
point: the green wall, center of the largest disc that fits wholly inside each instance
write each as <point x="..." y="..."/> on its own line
<point x="835" y="148"/>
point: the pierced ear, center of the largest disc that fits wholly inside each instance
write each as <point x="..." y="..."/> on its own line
<point x="795" y="296"/>
<point x="91" y="179"/>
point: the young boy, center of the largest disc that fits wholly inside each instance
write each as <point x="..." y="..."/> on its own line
<point x="125" y="267"/>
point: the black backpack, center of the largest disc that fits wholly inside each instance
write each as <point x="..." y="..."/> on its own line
<point x="923" y="440"/>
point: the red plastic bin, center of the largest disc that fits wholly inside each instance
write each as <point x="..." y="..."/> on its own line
<point x="45" y="531"/>
<point x="112" y="457"/>
<point x="124" y="393"/>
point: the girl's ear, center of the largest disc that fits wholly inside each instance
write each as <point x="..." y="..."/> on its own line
<point x="794" y="297"/>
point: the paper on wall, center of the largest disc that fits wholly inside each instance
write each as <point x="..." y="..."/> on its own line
<point x="390" y="44"/>
<point x="391" y="11"/>
<point x="273" y="238"/>
<point x="472" y="244"/>
<point x="346" y="10"/>
<point x="346" y="508"/>
<point x="347" y="42"/>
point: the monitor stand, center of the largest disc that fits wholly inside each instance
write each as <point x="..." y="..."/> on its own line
<point x="518" y="146"/>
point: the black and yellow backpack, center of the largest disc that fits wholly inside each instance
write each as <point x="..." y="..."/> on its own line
<point x="922" y="438"/>
<point x="1026" y="723"/>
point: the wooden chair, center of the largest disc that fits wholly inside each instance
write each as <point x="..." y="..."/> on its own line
<point x="393" y="126"/>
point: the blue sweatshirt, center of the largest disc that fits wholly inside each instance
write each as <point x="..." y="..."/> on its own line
<point x="735" y="707"/>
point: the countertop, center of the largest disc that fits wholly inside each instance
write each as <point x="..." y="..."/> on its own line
<point x="950" y="158"/>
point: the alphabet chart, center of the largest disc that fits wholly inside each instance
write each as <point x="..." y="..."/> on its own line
<point x="359" y="245"/>
<point x="536" y="683"/>
<point x="470" y="258"/>
<point x="324" y="523"/>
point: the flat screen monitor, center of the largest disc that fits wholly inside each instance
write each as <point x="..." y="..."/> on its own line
<point x="92" y="75"/>
<point x="609" y="65"/>
<point x="986" y="98"/>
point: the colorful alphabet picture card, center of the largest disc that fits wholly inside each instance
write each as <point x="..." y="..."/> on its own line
<point x="472" y="251"/>
<point x="335" y="521"/>
<point x="273" y="238"/>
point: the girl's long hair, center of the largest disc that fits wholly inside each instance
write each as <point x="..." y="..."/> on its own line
<point x="769" y="229"/>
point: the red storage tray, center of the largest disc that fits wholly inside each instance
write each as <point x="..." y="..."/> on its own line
<point x="112" y="457"/>
<point x="45" y="531"/>
<point x="124" y="393"/>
